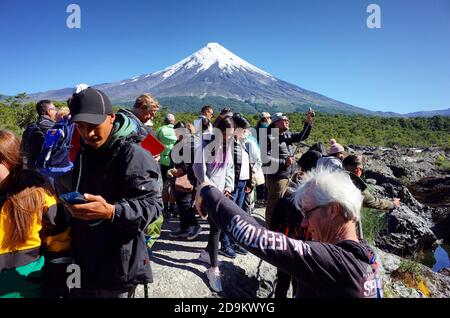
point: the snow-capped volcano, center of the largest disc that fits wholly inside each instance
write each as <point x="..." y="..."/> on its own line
<point x="214" y="71"/>
<point x="212" y="54"/>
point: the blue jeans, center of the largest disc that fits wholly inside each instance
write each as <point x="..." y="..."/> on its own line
<point x="238" y="194"/>
<point x="238" y="197"/>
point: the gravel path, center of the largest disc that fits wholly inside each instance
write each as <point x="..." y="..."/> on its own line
<point x="178" y="274"/>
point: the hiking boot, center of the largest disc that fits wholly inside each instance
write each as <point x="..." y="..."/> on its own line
<point x="204" y="258"/>
<point x="239" y="249"/>
<point x="194" y="231"/>
<point x="179" y="233"/>
<point x="227" y="251"/>
<point x="214" y="280"/>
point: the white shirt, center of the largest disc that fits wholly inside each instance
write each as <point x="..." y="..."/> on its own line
<point x="245" y="166"/>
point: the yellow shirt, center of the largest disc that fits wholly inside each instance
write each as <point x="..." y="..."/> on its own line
<point x="34" y="241"/>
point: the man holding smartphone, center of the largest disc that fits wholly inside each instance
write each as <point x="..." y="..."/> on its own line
<point x="120" y="182"/>
<point x="277" y="181"/>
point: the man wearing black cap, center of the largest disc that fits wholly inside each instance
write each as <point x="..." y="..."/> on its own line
<point x="120" y="182"/>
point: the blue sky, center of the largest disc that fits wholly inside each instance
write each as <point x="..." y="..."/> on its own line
<point x="323" y="46"/>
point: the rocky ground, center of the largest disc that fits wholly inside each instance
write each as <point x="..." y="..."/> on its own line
<point x="178" y="274"/>
<point x="422" y="220"/>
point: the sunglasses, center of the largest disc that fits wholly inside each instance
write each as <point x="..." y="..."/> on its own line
<point x="307" y="213"/>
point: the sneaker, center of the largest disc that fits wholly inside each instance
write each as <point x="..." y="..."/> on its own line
<point x="179" y="233"/>
<point x="194" y="231"/>
<point x="239" y="249"/>
<point x="214" y="280"/>
<point x="227" y="251"/>
<point x="204" y="258"/>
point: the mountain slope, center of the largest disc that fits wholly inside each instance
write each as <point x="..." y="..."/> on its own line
<point x="431" y="113"/>
<point x="214" y="71"/>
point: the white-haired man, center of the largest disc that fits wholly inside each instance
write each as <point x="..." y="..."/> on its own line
<point x="335" y="263"/>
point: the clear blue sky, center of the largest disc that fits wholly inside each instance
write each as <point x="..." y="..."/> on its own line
<point x="323" y="46"/>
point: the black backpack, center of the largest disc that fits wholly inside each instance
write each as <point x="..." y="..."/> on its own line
<point x="32" y="140"/>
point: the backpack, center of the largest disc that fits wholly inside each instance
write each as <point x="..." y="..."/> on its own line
<point x="32" y="139"/>
<point x="53" y="160"/>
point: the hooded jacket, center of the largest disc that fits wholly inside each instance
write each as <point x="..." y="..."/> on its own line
<point x="112" y="254"/>
<point x="142" y="129"/>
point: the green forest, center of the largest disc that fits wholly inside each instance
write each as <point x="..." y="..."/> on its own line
<point x="16" y="114"/>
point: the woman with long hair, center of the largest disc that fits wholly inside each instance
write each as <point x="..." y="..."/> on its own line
<point x="26" y="203"/>
<point x="214" y="163"/>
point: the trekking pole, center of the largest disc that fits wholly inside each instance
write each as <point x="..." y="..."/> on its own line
<point x="360" y="230"/>
<point x="145" y="290"/>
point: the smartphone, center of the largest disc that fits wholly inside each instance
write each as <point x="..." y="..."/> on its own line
<point x="73" y="198"/>
<point x="312" y="112"/>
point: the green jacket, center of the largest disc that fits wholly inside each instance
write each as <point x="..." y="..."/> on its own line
<point x="374" y="203"/>
<point x="166" y="134"/>
<point x="370" y="201"/>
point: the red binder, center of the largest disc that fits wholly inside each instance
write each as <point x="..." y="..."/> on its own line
<point x="153" y="145"/>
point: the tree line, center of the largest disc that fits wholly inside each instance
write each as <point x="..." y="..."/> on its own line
<point x="16" y="113"/>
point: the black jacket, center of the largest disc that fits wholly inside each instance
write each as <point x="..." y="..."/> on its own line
<point x="345" y="269"/>
<point x="113" y="254"/>
<point x="33" y="138"/>
<point x="285" y="148"/>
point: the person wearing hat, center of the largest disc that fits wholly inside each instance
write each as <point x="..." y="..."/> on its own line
<point x="166" y="135"/>
<point x="354" y="164"/>
<point x="120" y="182"/>
<point x="280" y="163"/>
<point x="263" y="123"/>
<point x="336" y="154"/>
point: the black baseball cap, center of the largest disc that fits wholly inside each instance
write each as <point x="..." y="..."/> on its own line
<point x="90" y="106"/>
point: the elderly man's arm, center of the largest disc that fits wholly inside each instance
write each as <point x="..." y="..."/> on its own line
<point x="303" y="260"/>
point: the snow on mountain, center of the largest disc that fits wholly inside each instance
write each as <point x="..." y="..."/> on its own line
<point x="212" y="53"/>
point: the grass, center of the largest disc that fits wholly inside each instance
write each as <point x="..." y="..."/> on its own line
<point x="410" y="273"/>
<point x="443" y="163"/>
<point x="373" y="222"/>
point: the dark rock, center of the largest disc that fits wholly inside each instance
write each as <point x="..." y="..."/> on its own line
<point x="398" y="171"/>
<point x="406" y="233"/>
<point x="382" y="176"/>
